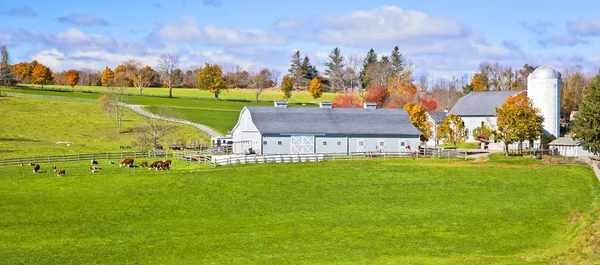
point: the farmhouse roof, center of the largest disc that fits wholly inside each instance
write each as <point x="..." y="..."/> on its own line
<point x="332" y="121"/>
<point x="481" y="103"/>
<point x="566" y="141"/>
<point x="437" y="116"/>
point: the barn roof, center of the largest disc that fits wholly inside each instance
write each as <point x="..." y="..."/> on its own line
<point x="437" y="116"/>
<point x="332" y="121"/>
<point x="566" y="141"/>
<point x="481" y="103"/>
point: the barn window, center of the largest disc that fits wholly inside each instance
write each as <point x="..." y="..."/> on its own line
<point x="339" y="142"/>
<point x="279" y="142"/>
<point x="361" y="143"/>
<point x="324" y="142"/>
<point x="381" y="143"/>
<point x="401" y="143"/>
<point x="482" y="124"/>
<point x="265" y="142"/>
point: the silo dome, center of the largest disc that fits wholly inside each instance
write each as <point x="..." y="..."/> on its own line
<point x="545" y="72"/>
<point x="543" y="88"/>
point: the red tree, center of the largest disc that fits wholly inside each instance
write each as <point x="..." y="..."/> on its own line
<point x="429" y="104"/>
<point x="377" y="94"/>
<point x="347" y="100"/>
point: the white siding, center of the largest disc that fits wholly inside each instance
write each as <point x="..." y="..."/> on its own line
<point x="571" y="150"/>
<point x="472" y="122"/>
<point x="245" y="130"/>
<point x="393" y="144"/>
<point x="545" y="94"/>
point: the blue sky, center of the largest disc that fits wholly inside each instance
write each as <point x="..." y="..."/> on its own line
<point x="441" y="38"/>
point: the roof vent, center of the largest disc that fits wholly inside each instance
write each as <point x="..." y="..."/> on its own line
<point x="280" y="104"/>
<point x="325" y="105"/>
<point x="370" y="105"/>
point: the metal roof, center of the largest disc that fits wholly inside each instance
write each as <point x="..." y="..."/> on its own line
<point x="482" y="103"/>
<point x="437" y="116"/>
<point x="332" y="121"/>
<point x="566" y="141"/>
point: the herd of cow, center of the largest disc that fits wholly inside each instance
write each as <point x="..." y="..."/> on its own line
<point x="127" y="162"/>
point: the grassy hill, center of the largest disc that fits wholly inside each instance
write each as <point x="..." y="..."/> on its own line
<point x="426" y="211"/>
<point x="35" y="126"/>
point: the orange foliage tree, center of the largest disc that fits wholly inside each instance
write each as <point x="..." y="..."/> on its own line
<point x="72" y="77"/>
<point x="108" y="77"/>
<point x="377" y="94"/>
<point x="479" y="82"/>
<point x="429" y="104"/>
<point x="347" y="100"/>
<point x="315" y="89"/>
<point x="418" y="117"/>
<point x="41" y="75"/>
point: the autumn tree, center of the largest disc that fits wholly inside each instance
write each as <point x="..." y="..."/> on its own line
<point x="23" y="71"/>
<point x="7" y="73"/>
<point x="479" y="82"/>
<point x="153" y="130"/>
<point x="483" y="132"/>
<point x="452" y="130"/>
<point x="315" y="89"/>
<point x="335" y="69"/>
<point x="587" y="121"/>
<point x="287" y="84"/>
<point x="377" y="94"/>
<point x="167" y="64"/>
<point x="260" y="81"/>
<point x="347" y="100"/>
<point x="41" y="75"/>
<point x="108" y="77"/>
<point x="518" y="121"/>
<point x="418" y="117"/>
<point x="105" y="105"/>
<point x="72" y="77"/>
<point x="210" y="78"/>
<point x="429" y="104"/>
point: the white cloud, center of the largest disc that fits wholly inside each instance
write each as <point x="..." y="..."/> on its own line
<point x="383" y="25"/>
<point x="83" y="20"/>
<point x="189" y="31"/>
<point x="287" y="23"/>
<point x="75" y="37"/>
<point x="562" y="40"/>
<point x="584" y="27"/>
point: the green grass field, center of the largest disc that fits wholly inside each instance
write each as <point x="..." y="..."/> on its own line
<point x="34" y="126"/>
<point x="245" y="94"/>
<point x="505" y="211"/>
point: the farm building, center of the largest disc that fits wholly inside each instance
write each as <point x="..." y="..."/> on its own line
<point x="436" y="118"/>
<point x="567" y="146"/>
<point x="324" y="130"/>
<point x="479" y="108"/>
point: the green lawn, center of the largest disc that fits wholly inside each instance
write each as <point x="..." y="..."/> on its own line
<point x="505" y="211"/>
<point x="244" y="94"/>
<point x="33" y="127"/>
<point x="218" y="119"/>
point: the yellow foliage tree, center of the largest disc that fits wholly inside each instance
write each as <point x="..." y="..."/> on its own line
<point x="518" y="121"/>
<point x="287" y="84"/>
<point x="479" y="82"/>
<point x="41" y="75"/>
<point x="72" y="77"/>
<point x="453" y="130"/>
<point x="211" y="78"/>
<point x="108" y="77"/>
<point x="315" y="88"/>
<point x="418" y="117"/>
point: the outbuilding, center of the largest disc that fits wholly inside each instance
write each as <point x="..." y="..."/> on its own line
<point x="567" y="146"/>
<point x="324" y="130"/>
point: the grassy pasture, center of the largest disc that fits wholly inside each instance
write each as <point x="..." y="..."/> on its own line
<point x="34" y="126"/>
<point x="246" y="94"/>
<point x="220" y="120"/>
<point x="505" y="211"/>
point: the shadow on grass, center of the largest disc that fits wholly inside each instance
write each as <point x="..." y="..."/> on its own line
<point x="18" y="139"/>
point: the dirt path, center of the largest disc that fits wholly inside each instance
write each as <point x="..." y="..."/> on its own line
<point x="203" y="128"/>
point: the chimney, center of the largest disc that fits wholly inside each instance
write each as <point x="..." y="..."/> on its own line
<point x="446" y="111"/>
<point x="280" y="104"/>
<point x="370" y="105"/>
<point x="325" y="105"/>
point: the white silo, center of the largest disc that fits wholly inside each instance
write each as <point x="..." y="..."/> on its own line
<point x="543" y="88"/>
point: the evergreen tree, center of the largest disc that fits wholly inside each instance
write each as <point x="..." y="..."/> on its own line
<point x="587" y="120"/>
<point x="309" y="71"/>
<point x="397" y="60"/>
<point x="296" y="69"/>
<point x="370" y="59"/>
<point x="335" y="69"/>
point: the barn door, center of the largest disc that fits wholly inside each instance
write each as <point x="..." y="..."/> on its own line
<point x="302" y="144"/>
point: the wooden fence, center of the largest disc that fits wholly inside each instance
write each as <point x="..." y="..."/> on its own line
<point x="80" y="157"/>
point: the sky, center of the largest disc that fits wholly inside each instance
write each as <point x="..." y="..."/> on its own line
<point x="440" y="38"/>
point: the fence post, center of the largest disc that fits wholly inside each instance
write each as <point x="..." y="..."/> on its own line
<point x="78" y="158"/>
<point x="48" y="159"/>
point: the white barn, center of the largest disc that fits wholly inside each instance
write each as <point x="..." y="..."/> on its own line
<point x="435" y="118"/>
<point x="567" y="146"/>
<point x="325" y="130"/>
<point x="479" y="108"/>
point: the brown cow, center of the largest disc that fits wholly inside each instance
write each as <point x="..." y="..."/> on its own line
<point x="194" y="160"/>
<point x="61" y="172"/>
<point x="53" y="168"/>
<point x="94" y="162"/>
<point x="164" y="165"/>
<point x="168" y="161"/>
<point x="128" y="162"/>
<point x="155" y="165"/>
<point x="94" y="169"/>
<point x="144" y="164"/>
<point x="36" y="168"/>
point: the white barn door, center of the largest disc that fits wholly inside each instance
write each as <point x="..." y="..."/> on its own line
<point x="303" y="144"/>
<point x="361" y="145"/>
